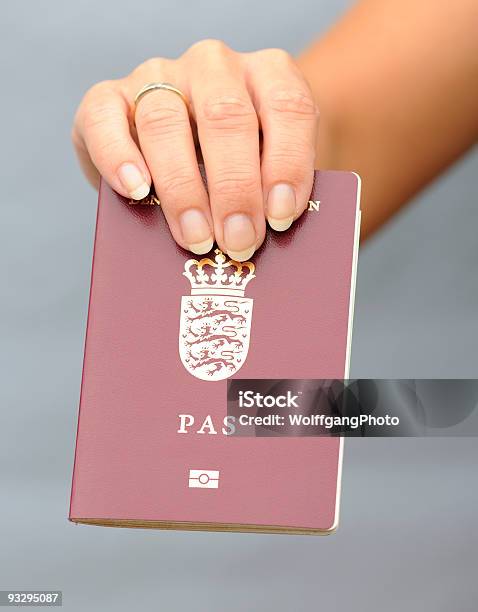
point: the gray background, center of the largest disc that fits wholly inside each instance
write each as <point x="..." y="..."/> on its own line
<point x="408" y="538"/>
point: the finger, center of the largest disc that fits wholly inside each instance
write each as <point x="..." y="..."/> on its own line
<point x="102" y="132"/>
<point x="88" y="167"/>
<point x="166" y="139"/>
<point x="289" y="121"/>
<point x="229" y="137"/>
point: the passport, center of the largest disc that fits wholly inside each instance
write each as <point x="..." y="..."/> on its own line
<point x="166" y="330"/>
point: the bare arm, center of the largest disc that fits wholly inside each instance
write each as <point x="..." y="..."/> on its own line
<point x="396" y="82"/>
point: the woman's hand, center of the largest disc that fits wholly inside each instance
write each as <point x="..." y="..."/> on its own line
<point x="232" y="97"/>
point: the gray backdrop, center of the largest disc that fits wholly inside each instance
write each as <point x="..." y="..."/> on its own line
<point x="408" y="537"/>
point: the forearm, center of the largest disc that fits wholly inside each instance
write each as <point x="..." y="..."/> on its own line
<point x="397" y="86"/>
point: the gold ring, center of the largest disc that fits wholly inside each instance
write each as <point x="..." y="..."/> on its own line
<point x="153" y="86"/>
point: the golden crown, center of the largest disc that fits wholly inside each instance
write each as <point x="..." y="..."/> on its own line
<point x="218" y="277"/>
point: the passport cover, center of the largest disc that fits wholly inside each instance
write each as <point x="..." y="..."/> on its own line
<point x="166" y="329"/>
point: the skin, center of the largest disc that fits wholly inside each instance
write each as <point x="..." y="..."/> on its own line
<point x="406" y="104"/>
<point x="397" y="87"/>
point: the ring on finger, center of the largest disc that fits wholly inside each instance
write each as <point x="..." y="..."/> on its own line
<point x="161" y="85"/>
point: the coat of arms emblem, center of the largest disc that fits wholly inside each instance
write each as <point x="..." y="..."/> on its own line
<point x="216" y="318"/>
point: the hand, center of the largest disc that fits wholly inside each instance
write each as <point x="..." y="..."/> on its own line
<point x="233" y="97"/>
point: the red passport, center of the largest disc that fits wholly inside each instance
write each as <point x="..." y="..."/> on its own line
<point x="167" y="329"/>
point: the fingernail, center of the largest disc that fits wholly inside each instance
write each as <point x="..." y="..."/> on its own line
<point x="281" y="207"/>
<point x="239" y="236"/>
<point x="196" y="231"/>
<point x="133" y="181"/>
